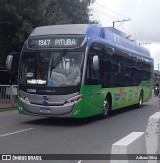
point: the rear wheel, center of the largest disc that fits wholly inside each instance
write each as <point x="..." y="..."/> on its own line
<point x="106" y="109"/>
<point x="140" y="100"/>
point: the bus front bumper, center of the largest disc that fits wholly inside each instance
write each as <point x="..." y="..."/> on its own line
<point x="49" y="111"/>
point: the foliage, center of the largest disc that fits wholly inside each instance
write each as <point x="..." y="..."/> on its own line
<point x="19" y="17"/>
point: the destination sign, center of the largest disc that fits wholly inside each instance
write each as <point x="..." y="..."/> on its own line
<point x="52" y="42"/>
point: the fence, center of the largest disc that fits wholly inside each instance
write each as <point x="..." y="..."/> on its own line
<point x="8" y="95"/>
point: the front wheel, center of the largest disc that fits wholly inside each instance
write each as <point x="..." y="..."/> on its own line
<point x="106" y="109"/>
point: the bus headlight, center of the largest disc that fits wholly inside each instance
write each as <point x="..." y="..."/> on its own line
<point x="23" y="98"/>
<point x="73" y="100"/>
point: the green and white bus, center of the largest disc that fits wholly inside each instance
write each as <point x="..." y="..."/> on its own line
<point x="81" y="70"/>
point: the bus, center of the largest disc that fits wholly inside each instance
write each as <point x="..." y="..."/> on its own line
<point x="81" y="70"/>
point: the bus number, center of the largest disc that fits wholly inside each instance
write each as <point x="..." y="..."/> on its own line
<point x="44" y="42"/>
<point x="31" y="90"/>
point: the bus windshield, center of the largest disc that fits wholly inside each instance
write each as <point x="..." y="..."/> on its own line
<point x="51" y="69"/>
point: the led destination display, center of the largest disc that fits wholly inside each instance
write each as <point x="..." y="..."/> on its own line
<point x="55" y="42"/>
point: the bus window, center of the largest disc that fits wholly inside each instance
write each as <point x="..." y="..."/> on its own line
<point x="106" y="69"/>
<point x="51" y="69"/>
<point x="112" y="69"/>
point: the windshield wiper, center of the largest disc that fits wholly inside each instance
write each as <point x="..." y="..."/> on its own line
<point x="55" y="62"/>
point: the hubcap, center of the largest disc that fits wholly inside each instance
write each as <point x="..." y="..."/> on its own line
<point x="140" y="100"/>
<point x="105" y="107"/>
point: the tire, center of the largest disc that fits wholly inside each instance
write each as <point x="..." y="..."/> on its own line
<point x="106" y="109"/>
<point x="140" y="100"/>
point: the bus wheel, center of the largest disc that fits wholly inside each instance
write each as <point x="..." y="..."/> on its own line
<point x="140" y="100"/>
<point x="106" y="109"/>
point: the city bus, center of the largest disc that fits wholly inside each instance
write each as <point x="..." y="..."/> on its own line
<point x="81" y="70"/>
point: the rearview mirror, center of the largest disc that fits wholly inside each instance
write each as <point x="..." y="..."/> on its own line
<point x="9" y="62"/>
<point x="96" y="62"/>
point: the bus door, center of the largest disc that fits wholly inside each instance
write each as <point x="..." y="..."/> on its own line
<point x="94" y="98"/>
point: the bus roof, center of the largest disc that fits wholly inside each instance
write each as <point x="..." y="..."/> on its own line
<point x="72" y="29"/>
<point x="109" y="36"/>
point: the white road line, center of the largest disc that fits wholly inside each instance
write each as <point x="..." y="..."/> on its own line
<point x="16" y="132"/>
<point x="80" y="161"/>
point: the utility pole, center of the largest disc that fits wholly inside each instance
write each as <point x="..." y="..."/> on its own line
<point x="118" y="21"/>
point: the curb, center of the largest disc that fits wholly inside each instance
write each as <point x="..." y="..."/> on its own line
<point x="7" y="109"/>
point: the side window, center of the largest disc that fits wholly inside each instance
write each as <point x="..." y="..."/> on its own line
<point x="146" y="70"/>
<point x="106" y="69"/>
<point x="136" y="70"/>
<point x="117" y="69"/>
<point x="111" y="68"/>
<point x="129" y="75"/>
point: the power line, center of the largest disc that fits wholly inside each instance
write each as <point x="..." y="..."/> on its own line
<point x="126" y="30"/>
<point x="111" y="10"/>
<point x="119" y="24"/>
<point x="104" y="14"/>
<point x="133" y="27"/>
<point x="100" y="15"/>
<point x="137" y="30"/>
<point x="134" y="33"/>
<point x="138" y="34"/>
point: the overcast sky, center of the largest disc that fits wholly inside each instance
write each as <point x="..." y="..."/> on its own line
<point x="144" y="25"/>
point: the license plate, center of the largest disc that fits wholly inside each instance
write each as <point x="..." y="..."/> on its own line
<point x="45" y="110"/>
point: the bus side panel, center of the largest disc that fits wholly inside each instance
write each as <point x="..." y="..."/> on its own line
<point x="94" y="96"/>
<point x="122" y="96"/>
<point x="91" y="103"/>
<point x="126" y="96"/>
<point x="147" y="89"/>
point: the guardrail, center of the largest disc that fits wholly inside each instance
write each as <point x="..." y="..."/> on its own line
<point x="8" y="96"/>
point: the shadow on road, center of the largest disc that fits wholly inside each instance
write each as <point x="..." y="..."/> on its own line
<point x="126" y="109"/>
<point x="63" y="121"/>
<point x="79" y="122"/>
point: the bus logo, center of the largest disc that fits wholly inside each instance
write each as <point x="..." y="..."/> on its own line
<point x="45" y="103"/>
<point x="46" y="98"/>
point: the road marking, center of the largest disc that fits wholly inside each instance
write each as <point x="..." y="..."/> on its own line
<point x="80" y="161"/>
<point x="16" y="132"/>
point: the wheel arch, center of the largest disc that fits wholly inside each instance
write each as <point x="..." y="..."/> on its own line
<point x="142" y="92"/>
<point x="109" y="98"/>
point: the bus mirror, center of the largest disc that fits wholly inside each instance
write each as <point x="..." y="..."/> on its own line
<point x="96" y="63"/>
<point x="9" y="62"/>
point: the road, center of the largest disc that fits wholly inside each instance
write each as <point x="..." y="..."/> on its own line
<point x="23" y="134"/>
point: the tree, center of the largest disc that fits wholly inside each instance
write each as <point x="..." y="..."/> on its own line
<point x="19" y="17"/>
<point x="14" y="26"/>
<point x="65" y="11"/>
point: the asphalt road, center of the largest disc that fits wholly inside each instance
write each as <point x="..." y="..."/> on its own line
<point x="22" y="134"/>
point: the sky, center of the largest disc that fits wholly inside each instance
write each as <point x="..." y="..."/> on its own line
<point x="144" y="24"/>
